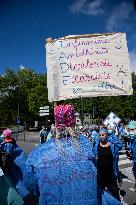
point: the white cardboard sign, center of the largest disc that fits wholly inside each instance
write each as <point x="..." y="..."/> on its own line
<point x="112" y="120"/>
<point x="88" y="66"/>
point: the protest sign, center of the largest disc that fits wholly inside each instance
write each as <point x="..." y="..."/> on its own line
<point x="88" y="66"/>
<point x="112" y="120"/>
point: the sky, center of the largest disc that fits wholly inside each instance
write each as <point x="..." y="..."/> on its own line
<point x="25" y="24"/>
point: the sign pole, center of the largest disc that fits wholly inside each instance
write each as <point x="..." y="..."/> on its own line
<point x="46" y="121"/>
<point x="55" y="104"/>
<point x="44" y="111"/>
<point x="18" y="121"/>
<point x="82" y="110"/>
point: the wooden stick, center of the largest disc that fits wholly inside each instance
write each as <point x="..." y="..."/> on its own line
<point x="55" y="104"/>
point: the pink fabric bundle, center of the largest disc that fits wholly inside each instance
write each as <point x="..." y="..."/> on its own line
<point x="7" y="132"/>
<point x="65" y="116"/>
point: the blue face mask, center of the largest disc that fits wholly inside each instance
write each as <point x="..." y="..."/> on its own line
<point x="105" y="139"/>
<point x="132" y="134"/>
<point x="110" y="132"/>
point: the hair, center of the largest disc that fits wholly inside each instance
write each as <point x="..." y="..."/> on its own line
<point x="7" y="133"/>
<point x="65" y="116"/>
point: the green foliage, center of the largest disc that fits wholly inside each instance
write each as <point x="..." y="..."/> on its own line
<point x="24" y="91"/>
<point x="21" y="93"/>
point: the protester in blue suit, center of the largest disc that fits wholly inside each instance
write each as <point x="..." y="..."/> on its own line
<point x="62" y="170"/>
<point x="106" y="154"/>
<point x="114" y="138"/>
<point x="123" y="134"/>
<point x="132" y="147"/>
<point x="94" y="135"/>
<point x="13" y="162"/>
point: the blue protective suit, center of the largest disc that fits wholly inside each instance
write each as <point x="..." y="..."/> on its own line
<point x="62" y="172"/>
<point x="94" y="135"/>
<point x="132" y="148"/>
<point x="115" y="140"/>
<point x="18" y="158"/>
<point x="114" y="150"/>
<point x="118" y="144"/>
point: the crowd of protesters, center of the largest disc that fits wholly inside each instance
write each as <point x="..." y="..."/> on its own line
<point x="72" y="165"/>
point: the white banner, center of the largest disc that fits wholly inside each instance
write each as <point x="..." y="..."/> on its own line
<point x="88" y="66"/>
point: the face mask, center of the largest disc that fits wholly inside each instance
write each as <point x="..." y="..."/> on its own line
<point x="105" y="139"/>
<point x="109" y="131"/>
<point x="132" y="134"/>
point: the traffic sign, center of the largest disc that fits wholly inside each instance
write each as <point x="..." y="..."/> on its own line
<point x="18" y="120"/>
<point x="44" y="108"/>
<point x="44" y="111"/>
<point x="41" y="111"/>
<point x="44" y="114"/>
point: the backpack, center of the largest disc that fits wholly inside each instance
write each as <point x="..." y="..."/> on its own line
<point x="5" y="160"/>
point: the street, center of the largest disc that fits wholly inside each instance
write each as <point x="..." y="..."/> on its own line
<point x="125" y="166"/>
<point x="127" y="187"/>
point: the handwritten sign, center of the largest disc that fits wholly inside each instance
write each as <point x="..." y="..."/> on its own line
<point x="88" y="66"/>
<point x="112" y="120"/>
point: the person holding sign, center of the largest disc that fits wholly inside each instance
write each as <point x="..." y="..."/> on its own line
<point x="62" y="170"/>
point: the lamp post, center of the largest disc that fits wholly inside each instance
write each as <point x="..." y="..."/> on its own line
<point x="82" y="111"/>
<point x="18" y="119"/>
<point x="18" y="113"/>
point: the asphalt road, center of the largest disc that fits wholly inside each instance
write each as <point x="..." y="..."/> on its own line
<point x="128" y="182"/>
<point x="28" y="140"/>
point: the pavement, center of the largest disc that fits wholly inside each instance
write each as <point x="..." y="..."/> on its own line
<point x="128" y="181"/>
<point x="28" y="140"/>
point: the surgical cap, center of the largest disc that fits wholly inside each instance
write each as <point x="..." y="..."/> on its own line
<point x="103" y="130"/>
<point x="132" y="124"/>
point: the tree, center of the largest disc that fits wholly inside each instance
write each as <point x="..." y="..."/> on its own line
<point x="27" y="90"/>
<point x="8" y="84"/>
<point x="21" y="93"/>
<point x="38" y="96"/>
